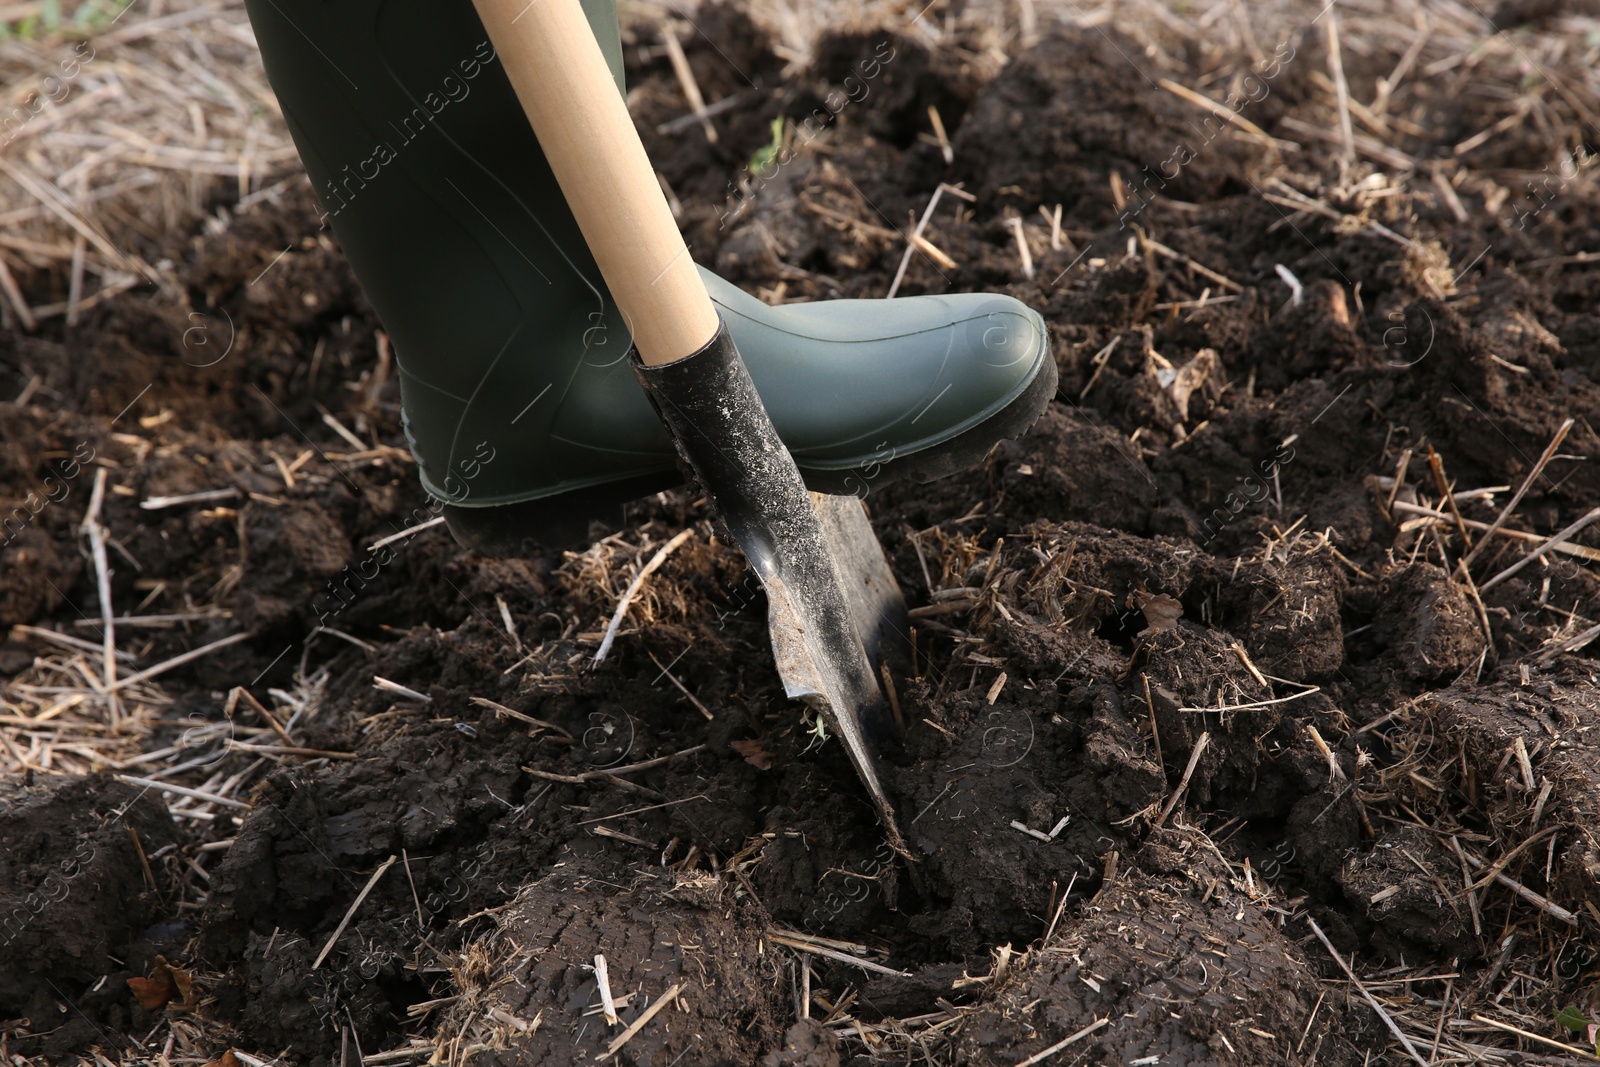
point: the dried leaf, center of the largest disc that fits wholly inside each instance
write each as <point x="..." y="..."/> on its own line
<point x="1191" y="376"/>
<point x="754" y="753"/>
<point x="1161" y="612"/>
<point x="164" y="984"/>
<point x="153" y="993"/>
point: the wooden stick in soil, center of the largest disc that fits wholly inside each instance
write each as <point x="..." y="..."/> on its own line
<point x="80" y="248"/>
<point x="1188" y="773"/>
<point x="1470" y="891"/>
<point x="1155" y="731"/>
<point x="158" y="503"/>
<point x="1549" y="544"/>
<point x="1199" y="268"/>
<point x="1483" y="620"/>
<point x="96" y="534"/>
<point x="1347" y="156"/>
<point x="144" y="861"/>
<point x="1017" y="231"/>
<point x="14" y="296"/>
<point x="834" y="954"/>
<point x="501" y="709"/>
<point x="241" y="693"/>
<point x="1565" y="548"/>
<point x="405" y="859"/>
<point x="922" y="224"/>
<point x="686" y="79"/>
<point x="1260" y="703"/>
<point x="644" y="1017"/>
<point x="344" y="922"/>
<point x="1218" y="110"/>
<point x="1537" y="900"/>
<point x="701" y="708"/>
<point x="1053" y="218"/>
<point x="805" y="967"/>
<point x="1399" y="480"/>
<point x="66" y="640"/>
<point x="612" y="772"/>
<point x="287" y="750"/>
<point x="1508" y="1028"/>
<point x="1522" y="490"/>
<point x="184" y="791"/>
<point x="1571" y="644"/>
<point x="409" y="531"/>
<point x="1371" y="1001"/>
<point x="602" y="977"/>
<point x="934" y="252"/>
<point x="380" y="682"/>
<point x="942" y="139"/>
<point x="1444" y="1012"/>
<point x="181" y="659"/>
<point x="1436" y="465"/>
<point x="1055" y="919"/>
<point x="1505" y="860"/>
<point x="1040" y="1057"/>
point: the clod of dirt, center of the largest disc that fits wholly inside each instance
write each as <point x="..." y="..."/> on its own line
<point x="1184" y="965"/>
<point x="1556" y="719"/>
<point x="1426" y="624"/>
<point x="1472" y="392"/>
<point x="1064" y="115"/>
<point x="305" y="850"/>
<point x="1119" y="297"/>
<point x="74" y="896"/>
<point x="1408" y="884"/>
<point x="1068" y="467"/>
<point x="657" y="932"/>
<point x="1200" y="684"/>
<point x="750" y="254"/>
<point x="1323" y="827"/>
<point x="908" y="78"/>
<point x="1020" y="796"/>
<point x="807" y="1044"/>
<point x="1313" y="337"/>
<point x="1289" y="614"/>
<point x="294" y="551"/>
<point x="34" y="559"/>
<point x="1094" y="575"/>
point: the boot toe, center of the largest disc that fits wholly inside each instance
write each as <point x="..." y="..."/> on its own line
<point x="855" y="382"/>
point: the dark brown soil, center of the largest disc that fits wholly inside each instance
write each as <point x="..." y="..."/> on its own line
<point x="81" y="915"/>
<point x="1149" y="574"/>
<point x="1188" y="973"/>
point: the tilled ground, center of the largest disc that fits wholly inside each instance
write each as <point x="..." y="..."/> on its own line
<point x="1195" y="678"/>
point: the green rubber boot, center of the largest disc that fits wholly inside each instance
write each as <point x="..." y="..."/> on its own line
<point x="517" y="399"/>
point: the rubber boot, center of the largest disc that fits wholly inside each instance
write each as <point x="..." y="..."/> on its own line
<point x="517" y="399"/>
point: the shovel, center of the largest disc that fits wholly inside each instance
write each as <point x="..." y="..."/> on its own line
<point x="833" y="606"/>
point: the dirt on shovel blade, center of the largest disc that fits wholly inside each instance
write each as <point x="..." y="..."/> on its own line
<point x="1231" y="736"/>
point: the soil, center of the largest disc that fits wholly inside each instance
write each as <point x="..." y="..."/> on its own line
<point x="1201" y="681"/>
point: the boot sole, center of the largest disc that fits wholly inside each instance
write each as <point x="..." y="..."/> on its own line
<point x="562" y="521"/>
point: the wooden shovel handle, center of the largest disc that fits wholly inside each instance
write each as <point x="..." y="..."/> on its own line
<point x="561" y="78"/>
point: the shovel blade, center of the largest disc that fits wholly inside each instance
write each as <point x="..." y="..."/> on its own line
<point x="834" y="669"/>
<point x="871" y="594"/>
<point x="833" y="605"/>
